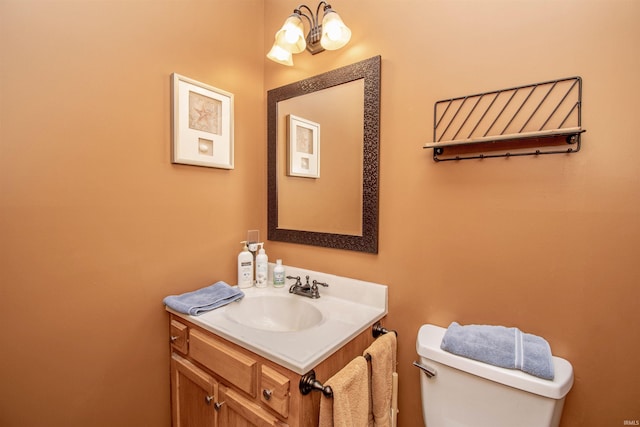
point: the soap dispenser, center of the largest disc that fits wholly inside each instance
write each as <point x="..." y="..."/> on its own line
<point x="245" y="267"/>
<point x="262" y="268"/>
<point x="278" y="274"/>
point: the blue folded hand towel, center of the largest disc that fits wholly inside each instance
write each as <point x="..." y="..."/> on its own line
<point x="500" y="346"/>
<point x="205" y="299"/>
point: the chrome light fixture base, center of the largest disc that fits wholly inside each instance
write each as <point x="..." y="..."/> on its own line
<point x="313" y="40"/>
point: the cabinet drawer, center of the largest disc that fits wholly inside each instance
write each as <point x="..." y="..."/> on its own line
<point x="178" y="336"/>
<point x="238" y="369"/>
<point x="274" y="390"/>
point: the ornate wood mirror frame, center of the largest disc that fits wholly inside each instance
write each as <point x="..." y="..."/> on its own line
<point x="369" y="70"/>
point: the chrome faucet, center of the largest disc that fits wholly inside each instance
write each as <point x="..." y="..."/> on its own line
<point x="306" y="290"/>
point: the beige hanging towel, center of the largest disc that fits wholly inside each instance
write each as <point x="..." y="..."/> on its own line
<point x="349" y="406"/>
<point x="383" y="365"/>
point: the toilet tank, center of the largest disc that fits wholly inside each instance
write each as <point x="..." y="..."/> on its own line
<point x="468" y="393"/>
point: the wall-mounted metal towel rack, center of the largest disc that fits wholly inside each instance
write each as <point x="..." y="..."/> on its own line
<point x="524" y="120"/>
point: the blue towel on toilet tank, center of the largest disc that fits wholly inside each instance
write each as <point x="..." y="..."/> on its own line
<point x="500" y="346"/>
<point x="205" y="299"/>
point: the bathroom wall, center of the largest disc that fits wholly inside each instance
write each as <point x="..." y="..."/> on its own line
<point x="548" y="244"/>
<point x="96" y="224"/>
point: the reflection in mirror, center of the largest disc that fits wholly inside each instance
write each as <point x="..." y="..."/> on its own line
<point x="323" y="145"/>
<point x="329" y="198"/>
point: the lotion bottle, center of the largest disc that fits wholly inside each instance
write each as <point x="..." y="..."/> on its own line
<point x="262" y="268"/>
<point x="245" y="267"/>
<point x="278" y="274"/>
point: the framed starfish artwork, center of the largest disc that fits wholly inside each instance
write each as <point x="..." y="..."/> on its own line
<point x="304" y="147"/>
<point x="202" y="124"/>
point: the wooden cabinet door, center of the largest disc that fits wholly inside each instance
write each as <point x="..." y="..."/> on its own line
<point x="238" y="411"/>
<point x="194" y="395"/>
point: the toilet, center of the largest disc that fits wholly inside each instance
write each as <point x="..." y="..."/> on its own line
<point x="461" y="392"/>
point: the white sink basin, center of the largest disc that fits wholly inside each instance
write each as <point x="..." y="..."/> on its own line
<point x="278" y="313"/>
<point x="294" y="331"/>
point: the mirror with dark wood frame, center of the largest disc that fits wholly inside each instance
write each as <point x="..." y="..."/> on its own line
<point x="364" y="75"/>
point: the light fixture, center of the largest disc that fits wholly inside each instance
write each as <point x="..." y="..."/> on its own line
<point x="332" y="34"/>
<point x="280" y="55"/>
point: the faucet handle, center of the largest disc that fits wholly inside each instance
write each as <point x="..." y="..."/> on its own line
<point x="296" y="285"/>
<point x="315" y="282"/>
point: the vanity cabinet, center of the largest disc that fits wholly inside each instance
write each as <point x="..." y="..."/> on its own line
<point x="215" y="382"/>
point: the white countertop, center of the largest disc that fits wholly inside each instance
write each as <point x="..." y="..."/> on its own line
<point x="348" y="307"/>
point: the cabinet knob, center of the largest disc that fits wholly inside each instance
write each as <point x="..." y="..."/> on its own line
<point x="173" y="339"/>
<point x="216" y="405"/>
<point x="267" y="394"/>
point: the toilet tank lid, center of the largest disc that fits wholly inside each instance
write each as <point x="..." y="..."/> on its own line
<point x="428" y="346"/>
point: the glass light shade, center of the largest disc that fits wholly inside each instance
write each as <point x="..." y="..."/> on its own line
<point x="291" y="35"/>
<point x="334" y="33"/>
<point x="280" y="55"/>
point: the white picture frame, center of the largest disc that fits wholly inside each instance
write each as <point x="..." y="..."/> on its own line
<point x="303" y="147"/>
<point x="202" y="124"/>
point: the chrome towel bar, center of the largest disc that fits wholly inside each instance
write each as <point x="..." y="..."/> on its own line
<point x="308" y="381"/>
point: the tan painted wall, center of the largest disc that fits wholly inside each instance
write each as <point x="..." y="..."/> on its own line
<point x="97" y="225"/>
<point x="547" y="244"/>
